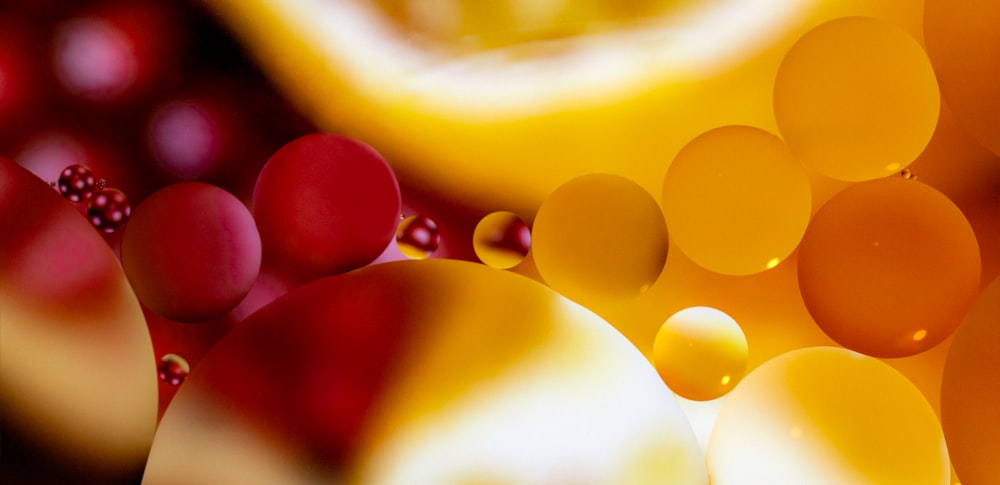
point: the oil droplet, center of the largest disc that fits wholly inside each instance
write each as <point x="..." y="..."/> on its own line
<point x="173" y="369"/>
<point x="417" y="237"/>
<point x="501" y="240"/>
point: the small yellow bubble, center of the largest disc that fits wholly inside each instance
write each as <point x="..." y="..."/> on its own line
<point x="772" y="263"/>
<point x="725" y="380"/>
<point x="919" y="335"/>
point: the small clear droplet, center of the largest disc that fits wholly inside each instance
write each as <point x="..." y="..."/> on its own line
<point x="173" y="369"/>
<point x="907" y="174"/>
<point x="417" y="237"/>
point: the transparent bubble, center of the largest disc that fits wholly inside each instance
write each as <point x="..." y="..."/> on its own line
<point x="736" y="201"/>
<point x="418" y="237"/>
<point x="827" y="416"/>
<point x="173" y="369"/>
<point x="856" y="99"/>
<point x="599" y="238"/>
<point x="701" y="353"/>
<point x="501" y="240"/>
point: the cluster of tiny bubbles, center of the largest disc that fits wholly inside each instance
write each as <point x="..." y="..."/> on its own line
<point x="417" y="236"/>
<point x="173" y="369"/>
<point x="501" y="240"/>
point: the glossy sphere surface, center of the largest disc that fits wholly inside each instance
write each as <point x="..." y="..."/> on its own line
<point x="191" y="251"/>
<point x="76" y="183"/>
<point x="501" y="240"/>
<point x="108" y="209"/>
<point x="701" y="353"/>
<point x="889" y="267"/>
<point x="418" y="237"/>
<point x="970" y="392"/>
<point x="326" y="204"/>
<point x="827" y="416"/>
<point x="599" y="237"/>
<point x="856" y="99"/>
<point x="736" y="201"/>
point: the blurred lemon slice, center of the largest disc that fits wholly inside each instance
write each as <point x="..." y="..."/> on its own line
<point x="498" y="103"/>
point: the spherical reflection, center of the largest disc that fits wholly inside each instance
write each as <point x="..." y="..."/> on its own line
<point x="856" y="99"/>
<point x="501" y="240"/>
<point x="599" y="237"/>
<point x="701" y="353"/>
<point x="889" y="267"/>
<point x="827" y="415"/>
<point x="417" y="237"/>
<point x="735" y="200"/>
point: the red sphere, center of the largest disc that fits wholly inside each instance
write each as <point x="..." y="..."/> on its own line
<point x="108" y="210"/>
<point x="326" y="204"/>
<point x="191" y="252"/>
<point x="77" y="183"/>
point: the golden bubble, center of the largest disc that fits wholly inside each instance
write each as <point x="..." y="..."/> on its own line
<point x="696" y="346"/>
<point x="501" y="240"/>
<point x="921" y="273"/>
<point x="736" y="201"/>
<point x="599" y="237"/>
<point x="825" y="415"/>
<point x="853" y="94"/>
<point x="417" y="237"/>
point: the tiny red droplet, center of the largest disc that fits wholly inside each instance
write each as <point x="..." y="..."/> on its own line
<point x="173" y="369"/>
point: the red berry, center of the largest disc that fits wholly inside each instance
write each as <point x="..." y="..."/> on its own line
<point x="77" y="183"/>
<point x="108" y="209"/>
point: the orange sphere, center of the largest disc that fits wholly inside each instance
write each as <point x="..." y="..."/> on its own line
<point x="889" y="267"/>
<point x="856" y="99"/>
<point x="970" y="392"/>
<point x="963" y="43"/>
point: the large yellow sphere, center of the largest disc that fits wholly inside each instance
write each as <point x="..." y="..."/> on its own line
<point x="736" y="201"/>
<point x="856" y="99"/>
<point x="825" y="415"/>
<point x="963" y="43"/>
<point x="599" y="237"/>
<point x="489" y="378"/>
<point x="970" y="392"/>
<point x="701" y="353"/>
<point x="889" y="267"/>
